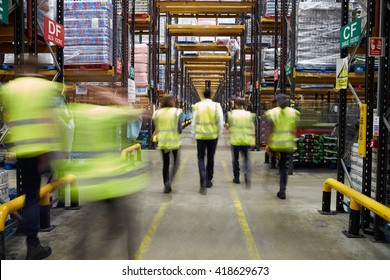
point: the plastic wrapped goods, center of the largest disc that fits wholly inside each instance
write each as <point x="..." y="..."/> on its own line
<point x="318" y="34"/>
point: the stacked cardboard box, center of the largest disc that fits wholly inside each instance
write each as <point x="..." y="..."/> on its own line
<point x="141" y="63"/>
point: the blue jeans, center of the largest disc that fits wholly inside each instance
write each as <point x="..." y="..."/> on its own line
<point x="236" y="150"/>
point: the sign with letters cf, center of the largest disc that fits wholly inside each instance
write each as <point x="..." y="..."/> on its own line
<point x="350" y="33"/>
<point x="53" y="32"/>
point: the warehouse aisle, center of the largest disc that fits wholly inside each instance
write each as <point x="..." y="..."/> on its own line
<point x="230" y="223"/>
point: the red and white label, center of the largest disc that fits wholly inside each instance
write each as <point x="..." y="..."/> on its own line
<point x="53" y="32"/>
<point x="376" y="46"/>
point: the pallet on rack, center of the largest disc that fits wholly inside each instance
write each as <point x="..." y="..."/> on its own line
<point x="88" y="67"/>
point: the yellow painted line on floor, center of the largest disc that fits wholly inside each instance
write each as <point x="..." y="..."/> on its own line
<point x="145" y="244"/>
<point x="246" y="231"/>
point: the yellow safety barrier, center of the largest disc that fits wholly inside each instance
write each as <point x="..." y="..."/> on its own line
<point x="357" y="200"/>
<point x="130" y="151"/>
<point x="18" y="203"/>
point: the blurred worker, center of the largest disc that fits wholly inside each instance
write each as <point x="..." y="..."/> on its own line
<point x="282" y="139"/>
<point x="34" y="136"/>
<point x="103" y="174"/>
<point x="207" y="126"/>
<point x="242" y="137"/>
<point x="168" y="124"/>
<point x="105" y="180"/>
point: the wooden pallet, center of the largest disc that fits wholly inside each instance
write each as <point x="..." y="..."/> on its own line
<point x="88" y="67"/>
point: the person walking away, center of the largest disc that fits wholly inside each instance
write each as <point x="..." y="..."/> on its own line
<point x="34" y="136"/>
<point x="282" y="138"/>
<point x="107" y="181"/>
<point x="168" y="127"/>
<point x="207" y="125"/>
<point x="241" y="125"/>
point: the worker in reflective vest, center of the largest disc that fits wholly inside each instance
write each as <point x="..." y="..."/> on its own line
<point x="282" y="138"/>
<point x="34" y="136"/>
<point x="106" y="182"/>
<point x="168" y="126"/>
<point x="207" y="125"/>
<point x="242" y="137"/>
<point x="101" y="173"/>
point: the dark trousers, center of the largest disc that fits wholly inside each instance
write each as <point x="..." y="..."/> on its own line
<point x="169" y="173"/>
<point x="30" y="171"/>
<point x="283" y="171"/>
<point x="236" y="150"/>
<point x="206" y="172"/>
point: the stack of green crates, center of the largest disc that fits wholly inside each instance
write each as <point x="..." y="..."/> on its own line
<point x="316" y="150"/>
<point x="305" y="149"/>
<point x="328" y="144"/>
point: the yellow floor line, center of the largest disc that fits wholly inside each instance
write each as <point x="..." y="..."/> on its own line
<point x="246" y="231"/>
<point x="145" y="244"/>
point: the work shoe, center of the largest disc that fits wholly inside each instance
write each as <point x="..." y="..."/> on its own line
<point x="281" y="195"/>
<point x="38" y="252"/>
<point x="167" y="189"/>
<point x="237" y="181"/>
<point x="203" y="191"/>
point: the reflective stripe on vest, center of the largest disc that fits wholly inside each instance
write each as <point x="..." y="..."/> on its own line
<point x="109" y="177"/>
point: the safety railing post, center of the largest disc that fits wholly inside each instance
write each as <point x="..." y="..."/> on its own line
<point x="354" y="219"/>
<point x="132" y="161"/>
<point x="139" y="157"/>
<point x="326" y="198"/>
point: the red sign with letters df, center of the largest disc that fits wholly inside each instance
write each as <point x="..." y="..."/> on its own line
<point x="376" y="46"/>
<point x="53" y="32"/>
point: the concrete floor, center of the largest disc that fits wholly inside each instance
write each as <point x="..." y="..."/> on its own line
<point x="229" y="223"/>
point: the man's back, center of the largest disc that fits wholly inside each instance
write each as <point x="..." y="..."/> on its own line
<point x="207" y="119"/>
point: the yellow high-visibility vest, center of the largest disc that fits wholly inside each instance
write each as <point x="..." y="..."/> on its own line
<point x="167" y="121"/>
<point x="206" y="120"/>
<point x="242" y="128"/>
<point x="282" y="138"/>
<point x="30" y="115"/>
<point x="100" y="171"/>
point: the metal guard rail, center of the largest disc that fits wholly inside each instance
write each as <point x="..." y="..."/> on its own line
<point x="18" y="203"/>
<point x="130" y="151"/>
<point x="357" y="200"/>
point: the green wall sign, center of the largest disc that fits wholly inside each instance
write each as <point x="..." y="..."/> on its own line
<point x="4" y="11"/>
<point x="350" y="33"/>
